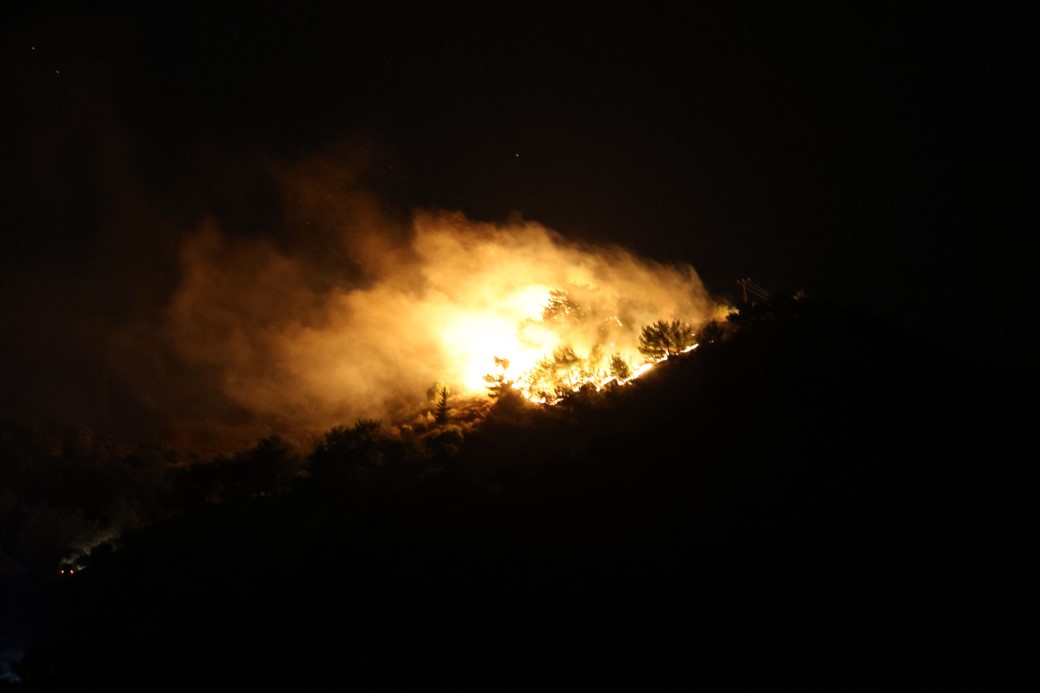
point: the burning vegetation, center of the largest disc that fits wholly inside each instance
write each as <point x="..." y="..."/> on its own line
<point x="610" y="359"/>
<point x="477" y="307"/>
<point x="533" y="313"/>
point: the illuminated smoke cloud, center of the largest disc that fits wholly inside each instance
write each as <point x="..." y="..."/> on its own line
<point x="353" y="314"/>
<point x="466" y="292"/>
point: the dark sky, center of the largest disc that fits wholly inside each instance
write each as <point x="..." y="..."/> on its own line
<point x="868" y="158"/>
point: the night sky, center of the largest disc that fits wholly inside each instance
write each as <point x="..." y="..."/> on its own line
<point x="871" y="159"/>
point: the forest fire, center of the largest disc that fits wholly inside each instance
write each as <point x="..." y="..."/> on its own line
<point x="536" y="356"/>
<point x="475" y="306"/>
<point x="533" y="313"/>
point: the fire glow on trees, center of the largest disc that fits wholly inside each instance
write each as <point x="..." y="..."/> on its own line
<point x="544" y="340"/>
<point x="564" y="370"/>
<point x="448" y="300"/>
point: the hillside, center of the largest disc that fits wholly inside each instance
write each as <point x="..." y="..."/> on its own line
<point x="814" y="501"/>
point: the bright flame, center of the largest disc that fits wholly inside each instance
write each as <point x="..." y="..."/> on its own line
<point x="476" y="337"/>
<point x="295" y="344"/>
<point x="557" y="313"/>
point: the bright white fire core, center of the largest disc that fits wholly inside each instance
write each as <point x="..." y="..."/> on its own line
<point x="544" y="314"/>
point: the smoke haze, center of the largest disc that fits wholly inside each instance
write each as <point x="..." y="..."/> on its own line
<point x="338" y="309"/>
<point x="295" y="341"/>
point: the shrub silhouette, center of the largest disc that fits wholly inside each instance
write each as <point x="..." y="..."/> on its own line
<point x="662" y="338"/>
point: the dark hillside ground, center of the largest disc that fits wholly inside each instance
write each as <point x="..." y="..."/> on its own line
<point x="818" y="501"/>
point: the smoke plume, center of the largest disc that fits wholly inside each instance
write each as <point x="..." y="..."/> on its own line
<point x="293" y="342"/>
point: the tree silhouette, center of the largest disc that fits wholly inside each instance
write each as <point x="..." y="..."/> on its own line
<point x="712" y="332"/>
<point x="561" y="308"/>
<point x="662" y="338"/>
<point x="442" y="406"/>
<point x="497" y="384"/>
<point x="619" y="367"/>
<point x="267" y="468"/>
<point x="554" y="375"/>
<point x="444" y="442"/>
<point x="437" y="394"/>
<point x="349" y="453"/>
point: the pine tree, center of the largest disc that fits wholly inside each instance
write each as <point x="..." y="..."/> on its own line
<point x="662" y="339"/>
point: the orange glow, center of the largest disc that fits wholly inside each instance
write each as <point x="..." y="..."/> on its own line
<point x="451" y="302"/>
<point x="529" y="344"/>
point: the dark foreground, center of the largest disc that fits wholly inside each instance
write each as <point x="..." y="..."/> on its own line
<point x="817" y="503"/>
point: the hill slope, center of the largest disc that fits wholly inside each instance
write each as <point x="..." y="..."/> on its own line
<point x="817" y="501"/>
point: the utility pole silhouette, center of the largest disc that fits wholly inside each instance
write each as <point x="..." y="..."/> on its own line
<point x="750" y="287"/>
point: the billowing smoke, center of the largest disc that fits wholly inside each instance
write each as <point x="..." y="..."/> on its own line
<point x="296" y="347"/>
<point x="168" y="280"/>
<point x="301" y="301"/>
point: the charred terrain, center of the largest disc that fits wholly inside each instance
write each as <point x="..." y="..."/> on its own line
<point x="813" y="499"/>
